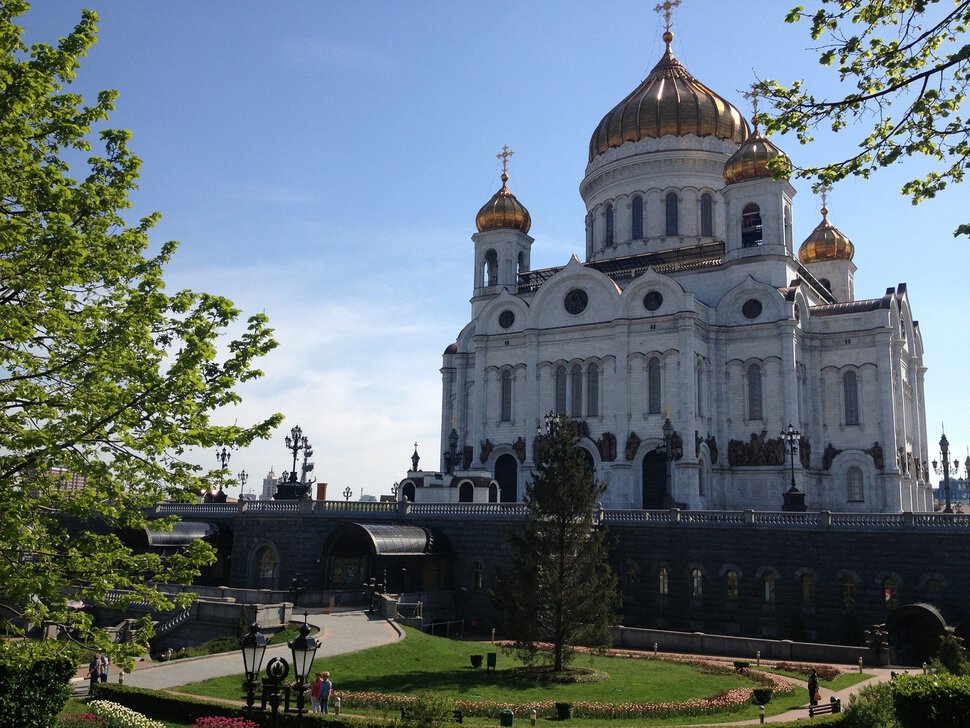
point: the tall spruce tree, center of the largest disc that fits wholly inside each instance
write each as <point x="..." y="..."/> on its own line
<point x="559" y="587"/>
<point x="106" y="379"/>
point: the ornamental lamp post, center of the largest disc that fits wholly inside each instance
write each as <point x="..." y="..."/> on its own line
<point x="945" y="454"/>
<point x="668" y="451"/>
<point x="304" y="648"/>
<point x="347" y="493"/>
<point x="253" y="650"/>
<point x="793" y="499"/>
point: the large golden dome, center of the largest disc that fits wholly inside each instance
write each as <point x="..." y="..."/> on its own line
<point x="753" y="160"/>
<point x="669" y="101"/>
<point x="503" y="212"/>
<point x="826" y="242"/>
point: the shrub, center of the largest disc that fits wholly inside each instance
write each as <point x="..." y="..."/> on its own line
<point x="740" y="665"/>
<point x="761" y="696"/>
<point x="33" y="686"/>
<point x="952" y="654"/>
<point x="871" y="707"/>
<point x="944" y="697"/>
<point x="428" y="710"/>
<point x="563" y="711"/>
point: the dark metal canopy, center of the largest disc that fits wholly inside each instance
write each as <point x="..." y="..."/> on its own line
<point x="182" y="534"/>
<point x="397" y="540"/>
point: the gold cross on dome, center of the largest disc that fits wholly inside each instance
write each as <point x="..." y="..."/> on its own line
<point x="504" y="156"/>
<point x="824" y="192"/>
<point x="752" y="96"/>
<point x="666" y="7"/>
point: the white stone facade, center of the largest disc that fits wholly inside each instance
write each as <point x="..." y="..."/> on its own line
<point x="700" y="313"/>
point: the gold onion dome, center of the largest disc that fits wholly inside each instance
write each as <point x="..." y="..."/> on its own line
<point x="826" y="242"/>
<point x="754" y="159"/>
<point x="669" y="101"/>
<point x="503" y="212"/>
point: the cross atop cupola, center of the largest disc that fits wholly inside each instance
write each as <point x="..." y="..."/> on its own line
<point x="666" y="8"/>
<point x="504" y="156"/>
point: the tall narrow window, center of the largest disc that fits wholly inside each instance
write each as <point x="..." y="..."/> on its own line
<point x="520" y="269"/>
<point x="663" y="581"/>
<point x="477" y="576"/>
<point x="576" y="392"/>
<point x="731" y="583"/>
<point x="808" y="589"/>
<point x="696" y="583"/>
<point x="637" y="217"/>
<point x="848" y="592"/>
<point x="768" y="586"/>
<point x="856" y="491"/>
<point x="608" y="215"/>
<point x="751" y="234"/>
<point x="788" y="235"/>
<point x="889" y="592"/>
<point x="506" y="396"/>
<point x="466" y="492"/>
<point x="671" y="213"/>
<point x="593" y="391"/>
<point x="561" y="389"/>
<point x="653" y="386"/>
<point x="850" y="391"/>
<point x="754" y="392"/>
<point x="699" y="389"/>
<point x="491" y="268"/>
<point x="707" y="215"/>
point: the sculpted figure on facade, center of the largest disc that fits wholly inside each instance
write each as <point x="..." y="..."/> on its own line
<point x="606" y="445"/>
<point x="632" y="445"/>
<point x="712" y="447"/>
<point x="875" y="452"/>
<point x="519" y="447"/>
<point x="486" y="451"/>
<point x="829" y="455"/>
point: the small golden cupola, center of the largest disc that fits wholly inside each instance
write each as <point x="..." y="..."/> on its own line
<point x="755" y="158"/>
<point x="503" y="211"/>
<point x="669" y="101"/>
<point x="826" y="242"/>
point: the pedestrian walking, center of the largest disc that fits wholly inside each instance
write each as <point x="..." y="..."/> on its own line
<point x="325" y="689"/>
<point x="105" y="661"/>
<point x="94" y="672"/>
<point x="315" y="692"/>
<point x="813" y="693"/>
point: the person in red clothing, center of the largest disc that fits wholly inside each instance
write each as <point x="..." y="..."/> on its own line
<point x="315" y="692"/>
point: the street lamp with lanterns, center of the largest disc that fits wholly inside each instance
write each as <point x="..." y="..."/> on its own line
<point x="243" y="478"/>
<point x="303" y="649"/>
<point x="794" y="499"/>
<point x="945" y="470"/>
<point x="291" y="487"/>
<point x="347" y="493"/>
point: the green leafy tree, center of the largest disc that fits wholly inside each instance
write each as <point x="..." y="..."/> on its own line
<point x="106" y="380"/>
<point x="906" y="65"/>
<point x="559" y="587"/>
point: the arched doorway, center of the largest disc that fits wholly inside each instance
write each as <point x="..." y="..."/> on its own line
<point x="507" y="475"/>
<point x="914" y="632"/>
<point x="466" y="492"/>
<point x="654" y="480"/>
<point x="407" y="492"/>
<point x="588" y="459"/>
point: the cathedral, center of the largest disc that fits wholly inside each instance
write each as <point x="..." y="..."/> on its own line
<point x="707" y="360"/>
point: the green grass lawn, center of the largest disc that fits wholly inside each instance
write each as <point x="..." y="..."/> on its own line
<point x="422" y="663"/>
<point x="845" y="680"/>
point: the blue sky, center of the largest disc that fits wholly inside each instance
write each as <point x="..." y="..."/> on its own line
<point x="323" y="162"/>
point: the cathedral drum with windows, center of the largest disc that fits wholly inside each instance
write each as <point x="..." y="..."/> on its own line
<point x="692" y="304"/>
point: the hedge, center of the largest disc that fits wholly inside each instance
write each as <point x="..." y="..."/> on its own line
<point x="184" y="709"/>
<point x="33" y="687"/>
<point x="941" y="701"/>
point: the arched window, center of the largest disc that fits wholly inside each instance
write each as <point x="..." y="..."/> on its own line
<point x="593" y="391"/>
<point x="788" y="235"/>
<point x="808" y="589"/>
<point x="850" y="392"/>
<point x="491" y="268"/>
<point x="848" y="592"/>
<point x="493" y="493"/>
<point x="653" y="386"/>
<point x="466" y="492"/>
<point x="696" y="583"/>
<point x="826" y="284"/>
<point x="637" y="217"/>
<point x="731" y="584"/>
<point x="671" y="213"/>
<point x="701" y="482"/>
<point x="707" y="215"/>
<point x="751" y="234"/>
<point x="576" y="392"/>
<point x="520" y="264"/>
<point x="754" y="392"/>
<point x="561" y="389"/>
<point x="477" y="576"/>
<point x="768" y="587"/>
<point x="407" y="492"/>
<point x="663" y="581"/>
<point x="889" y="592"/>
<point x="856" y="491"/>
<point x="266" y="568"/>
<point x="608" y="215"/>
<point x="699" y="389"/>
<point x="506" y="415"/>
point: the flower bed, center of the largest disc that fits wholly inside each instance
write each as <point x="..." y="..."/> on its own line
<point x="728" y="700"/>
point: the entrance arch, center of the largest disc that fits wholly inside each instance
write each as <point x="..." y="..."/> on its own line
<point x="915" y="631"/>
<point x="507" y="475"/>
<point x="654" y="475"/>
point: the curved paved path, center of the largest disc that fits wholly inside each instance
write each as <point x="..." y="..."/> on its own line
<point x="339" y="633"/>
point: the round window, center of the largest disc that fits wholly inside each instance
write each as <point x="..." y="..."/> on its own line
<point x="506" y="319"/>
<point x="653" y="300"/>
<point x="751" y="308"/>
<point x="576" y="301"/>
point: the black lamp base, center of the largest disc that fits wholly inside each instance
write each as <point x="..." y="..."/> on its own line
<point x="794" y="500"/>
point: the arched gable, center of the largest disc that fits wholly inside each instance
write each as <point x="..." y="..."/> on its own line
<point x="549" y="307"/>
<point x="731" y="310"/>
